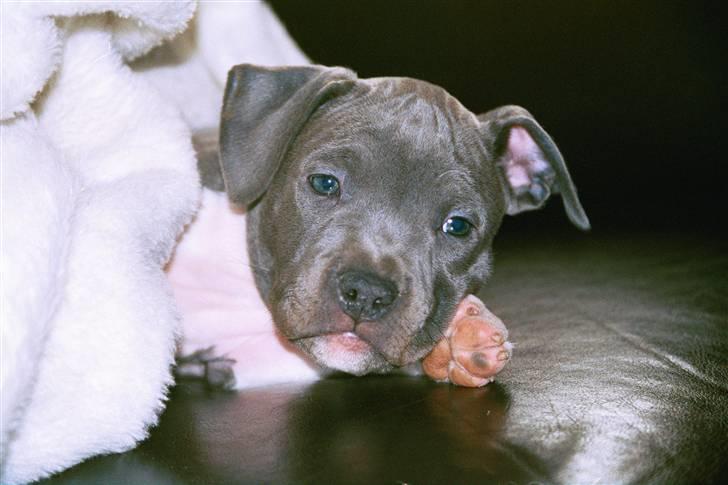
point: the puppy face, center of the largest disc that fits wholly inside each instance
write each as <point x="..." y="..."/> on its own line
<point x="377" y="223"/>
<point x="377" y="215"/>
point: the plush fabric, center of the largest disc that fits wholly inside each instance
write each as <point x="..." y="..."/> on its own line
<point x="98" y="181"/>
<point x="90" y="216"/>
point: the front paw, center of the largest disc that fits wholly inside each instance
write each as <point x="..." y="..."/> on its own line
<point x="216" y="371"/>
<point x="475" y="347"/>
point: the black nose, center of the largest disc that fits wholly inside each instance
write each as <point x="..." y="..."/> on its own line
<point x="364" y="296"/>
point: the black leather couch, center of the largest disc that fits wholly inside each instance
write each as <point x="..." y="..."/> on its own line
<point x="619" y="375"/>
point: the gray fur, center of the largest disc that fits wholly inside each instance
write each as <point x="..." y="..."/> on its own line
<point x="408" y="155"/>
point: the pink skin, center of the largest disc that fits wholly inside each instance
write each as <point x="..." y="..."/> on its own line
<point x="226" y="323"/>
<point x="222" y="313"/>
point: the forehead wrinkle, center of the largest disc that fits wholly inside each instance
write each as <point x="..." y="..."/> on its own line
<point x="461" y="176"/>
<point x="414" y="109"/>
<point x="328" y="151"/>
<point x="445" y="111"/>
<point x="412" y="125"/>
<point x="416" y="121"/>
<point x="347" y="145"/>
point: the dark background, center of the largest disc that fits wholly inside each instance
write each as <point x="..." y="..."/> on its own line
<point x="632" y="91"/>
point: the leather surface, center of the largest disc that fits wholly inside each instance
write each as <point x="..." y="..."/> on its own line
<point x="619" y="375"/>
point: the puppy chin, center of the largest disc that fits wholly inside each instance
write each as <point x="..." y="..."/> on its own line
<point x="344" y="352"/>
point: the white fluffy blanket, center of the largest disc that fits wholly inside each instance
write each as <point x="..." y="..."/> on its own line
<point x="98" y="180"/>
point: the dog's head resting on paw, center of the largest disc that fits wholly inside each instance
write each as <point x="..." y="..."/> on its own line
<point x="373" y="203"/>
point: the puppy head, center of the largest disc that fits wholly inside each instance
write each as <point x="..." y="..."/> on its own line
<point x="373" y="203"/>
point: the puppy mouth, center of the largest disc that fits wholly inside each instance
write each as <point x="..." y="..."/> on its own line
<point x="344" y="351"/>
<point x="343" y="341"/>
<point x="338" y="340"/>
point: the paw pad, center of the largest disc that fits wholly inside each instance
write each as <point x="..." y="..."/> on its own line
<point x="474" y="350"/>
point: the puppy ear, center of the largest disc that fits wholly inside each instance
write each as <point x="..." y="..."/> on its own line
<point x="531" y="166"/>
<point x="263" y="111"/>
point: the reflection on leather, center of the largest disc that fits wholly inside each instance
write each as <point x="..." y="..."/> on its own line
<point x="355" y="429"/>
<point x="619" y="374"/>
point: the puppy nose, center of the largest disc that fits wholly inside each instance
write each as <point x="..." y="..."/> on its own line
<point x="365" y="296"/>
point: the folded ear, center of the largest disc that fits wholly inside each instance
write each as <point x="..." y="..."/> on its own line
<point x="263" y="111"/>
<point x="530" y="164"/>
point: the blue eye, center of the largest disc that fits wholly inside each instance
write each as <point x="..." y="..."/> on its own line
<point x="457" y="226"/>
<point x="324" y="184"/>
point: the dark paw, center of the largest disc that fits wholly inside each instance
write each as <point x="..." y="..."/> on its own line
<point x="216" y="371"/>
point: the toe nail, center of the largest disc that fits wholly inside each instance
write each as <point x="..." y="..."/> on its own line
<point x="502" y="355"/>
<point x="497" y="338"/>
<point x="472" y="311"/>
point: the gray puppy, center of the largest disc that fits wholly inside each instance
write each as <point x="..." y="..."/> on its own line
<point x="372" y="204"/>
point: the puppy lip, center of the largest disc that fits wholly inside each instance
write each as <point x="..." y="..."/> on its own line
<point x="349" y="342"/>
<point x="344" y="335"/>
<point x="335" y="322"/>
<point x="349" y="337"/>
<point x="323" y="333"/>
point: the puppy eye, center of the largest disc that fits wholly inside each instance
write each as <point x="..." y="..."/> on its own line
<point x="457" y="226"/>
<point x="324" y="184"/>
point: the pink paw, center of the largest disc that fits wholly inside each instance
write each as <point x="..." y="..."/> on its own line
<point x="474" y="350"/>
